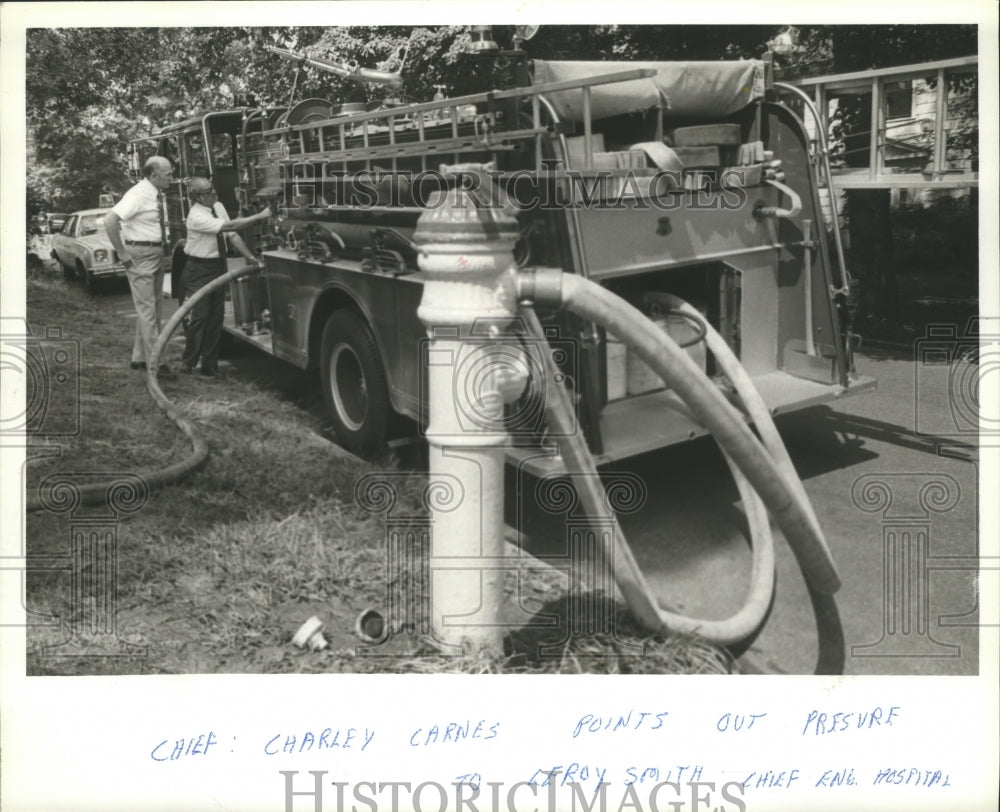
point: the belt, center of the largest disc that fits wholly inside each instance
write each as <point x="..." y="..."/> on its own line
<point x="143" y="242"/>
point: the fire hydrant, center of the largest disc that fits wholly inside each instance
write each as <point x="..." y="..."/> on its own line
<point x="469" y="299"/>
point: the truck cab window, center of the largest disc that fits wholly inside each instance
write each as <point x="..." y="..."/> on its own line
<point x="194" y="150"/>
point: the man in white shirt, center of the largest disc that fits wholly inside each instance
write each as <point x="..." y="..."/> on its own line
<point x="207" y="227"/>
<point x="137" y="228"/>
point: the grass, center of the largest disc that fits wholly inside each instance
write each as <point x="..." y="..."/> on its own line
<point x="216" y="572"/>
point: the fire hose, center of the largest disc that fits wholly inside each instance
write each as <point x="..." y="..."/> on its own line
<point x="96" y="492"/>
<point x="762" y="470"/>
<point x="630" y="580"/>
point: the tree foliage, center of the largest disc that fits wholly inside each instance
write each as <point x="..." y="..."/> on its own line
<point x="91" y="90"/>
<point x="848" y="48"/>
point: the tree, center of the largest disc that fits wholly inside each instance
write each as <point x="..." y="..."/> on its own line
<point x="91" y="90"/>
<point x="861" y="47"/>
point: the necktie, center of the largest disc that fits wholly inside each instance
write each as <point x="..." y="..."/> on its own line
<point x="163" y="222"/>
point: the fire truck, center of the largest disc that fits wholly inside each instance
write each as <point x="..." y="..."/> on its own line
<point x="650" y="178"/>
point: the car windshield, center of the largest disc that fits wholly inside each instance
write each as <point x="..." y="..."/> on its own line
<point x="91" y="224"/>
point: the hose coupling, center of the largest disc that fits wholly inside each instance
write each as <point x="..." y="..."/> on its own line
<point x="540" y="286"/>
<point x="775" y="211"/>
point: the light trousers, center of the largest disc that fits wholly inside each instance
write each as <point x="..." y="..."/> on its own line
<point x="145" y="277"/>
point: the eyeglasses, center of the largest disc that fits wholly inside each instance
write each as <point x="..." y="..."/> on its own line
<point x="210" y="191"/>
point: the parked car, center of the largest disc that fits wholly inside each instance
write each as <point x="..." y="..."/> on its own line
<point x="54" y="221"/>
<point x="83" y="249"/>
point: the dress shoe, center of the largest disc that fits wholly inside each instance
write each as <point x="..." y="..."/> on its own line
<point x="137" y="365"/>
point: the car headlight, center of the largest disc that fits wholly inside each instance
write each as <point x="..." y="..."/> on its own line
<point x="100" y="255"/>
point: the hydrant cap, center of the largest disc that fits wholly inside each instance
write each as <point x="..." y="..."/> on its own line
<point x="454" y="215"/>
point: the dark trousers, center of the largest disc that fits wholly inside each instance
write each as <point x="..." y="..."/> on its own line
<point x="204" y="322"/>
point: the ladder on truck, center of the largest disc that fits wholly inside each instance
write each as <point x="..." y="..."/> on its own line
<point x="450" y="127"/>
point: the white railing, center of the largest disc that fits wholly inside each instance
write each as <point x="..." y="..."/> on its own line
<point x="937" y="172"/>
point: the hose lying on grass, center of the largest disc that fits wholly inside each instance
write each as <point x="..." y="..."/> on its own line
<point x="97" y="492"/>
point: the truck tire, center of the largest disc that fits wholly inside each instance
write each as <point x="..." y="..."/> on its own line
<point x="354" y="384"/>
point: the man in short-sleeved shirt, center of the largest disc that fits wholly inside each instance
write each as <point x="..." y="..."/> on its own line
<point x="207" y="226"/>
<point x="136" y="226"/>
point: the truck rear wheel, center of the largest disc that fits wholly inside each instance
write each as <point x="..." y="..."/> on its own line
<point x="354" y="384"/>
